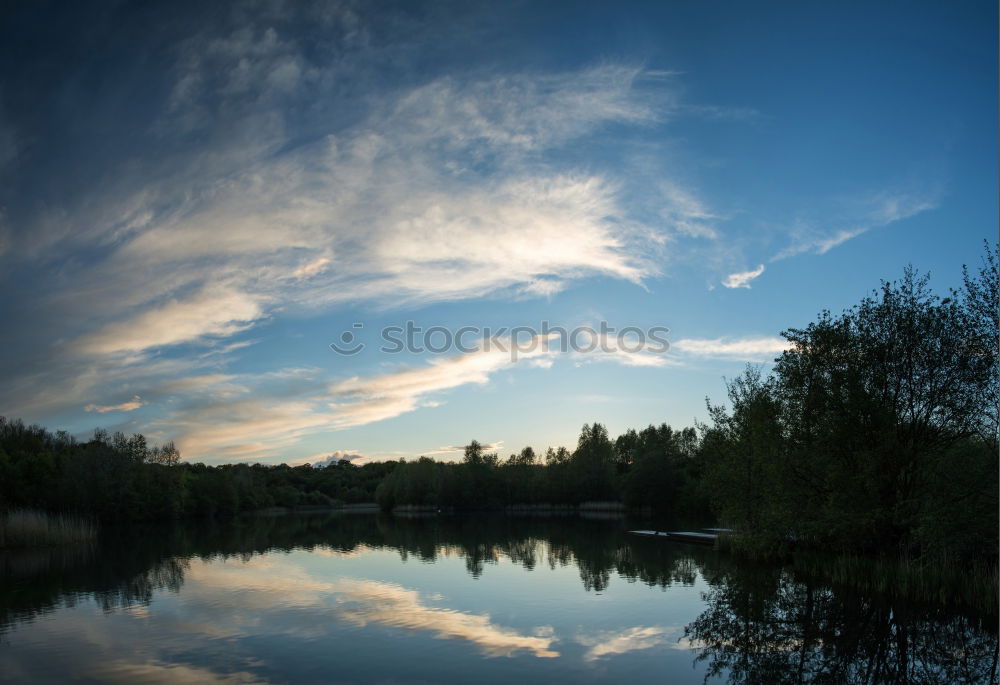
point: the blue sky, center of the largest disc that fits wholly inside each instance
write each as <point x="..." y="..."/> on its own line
<point x="196" y="200"/>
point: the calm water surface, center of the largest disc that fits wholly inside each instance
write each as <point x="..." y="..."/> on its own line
<point x="377" y="599"/>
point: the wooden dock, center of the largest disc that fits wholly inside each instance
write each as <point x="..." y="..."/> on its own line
<point x="700" y="538"/>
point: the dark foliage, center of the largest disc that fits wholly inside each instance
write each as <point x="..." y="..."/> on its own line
<point x="876" y="433"/>
<point x="118" y="477"/>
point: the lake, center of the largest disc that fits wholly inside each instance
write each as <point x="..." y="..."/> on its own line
<point x="372" y="598"/>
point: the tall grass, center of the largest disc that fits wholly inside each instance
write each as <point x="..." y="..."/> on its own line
<point x="602" y="506"/>
<point x="971" y="584"/>
<point x="29" y="528"/>
<point x="724" y="542"/>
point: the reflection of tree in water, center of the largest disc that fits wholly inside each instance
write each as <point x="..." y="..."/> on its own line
<point x="764" y="626"/>
<point x="595" y="547"/>
<point x="36" y="582"/>
<point x="761" y="624"/>
<point x="129" y="564"/>
<point x="164" y="575"/>
<point x="656" y="563"/>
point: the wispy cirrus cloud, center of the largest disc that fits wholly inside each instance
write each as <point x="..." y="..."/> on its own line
<point x="259" y="416"/>
<point x="360" y="400"/>
<point x="686" y="213"/>
<point x="394" y="208"/>
<point x="286" y="229"/>
<point x="626" y="350"/>
<point x="855" y="219"/>
<point x="215" y="313"/>
<point x="222" y="416"/>
<point x="741" y="279"/>
<point x="357" y="601"/>
<point x="742" y="349"/>
<point x="367" y="601"/>
<point x="249" y="429"/>
<point x="612" y="643"/>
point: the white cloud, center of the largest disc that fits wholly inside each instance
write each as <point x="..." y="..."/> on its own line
<point x="746" y="349"/>
<point x="858" y="218"/>
<point x="332" y="458"/>
<point x="316" y="266"/>
<point x="742" y="279"/>
<point x="253" y="417"/>
<point x="368" y="601"/>
<point x="68" y="383"/>
<point x="244" y="429"/>
<point x="220" y="384"/>
<point x="261" y="416"/>
<point x="131" y="405"/>
<point x="359" y="401"/>
<point x="126" y="666"/>
<point x="686" y="214"/>
<point x="208" y="313"/>
<point x="612" y="643"/>
<point x="390" y="209"/>
<point x="276" y="582"/>
<point x="619" y="349"/>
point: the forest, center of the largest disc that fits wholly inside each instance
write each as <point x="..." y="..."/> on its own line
<point x="875" y="431"/>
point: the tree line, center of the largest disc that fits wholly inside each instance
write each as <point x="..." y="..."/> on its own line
<point x="115" y="477"/>
<point x="654" y="468"/>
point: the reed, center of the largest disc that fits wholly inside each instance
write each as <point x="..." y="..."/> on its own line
<point x="936" y="579"/>
<point x="602" y="506"/>
<point x="973" y="585"/>
<point x="30" y="528"/>
<point x="724" y="542"/>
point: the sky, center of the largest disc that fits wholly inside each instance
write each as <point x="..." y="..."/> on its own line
<point x="198" y="199"/>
